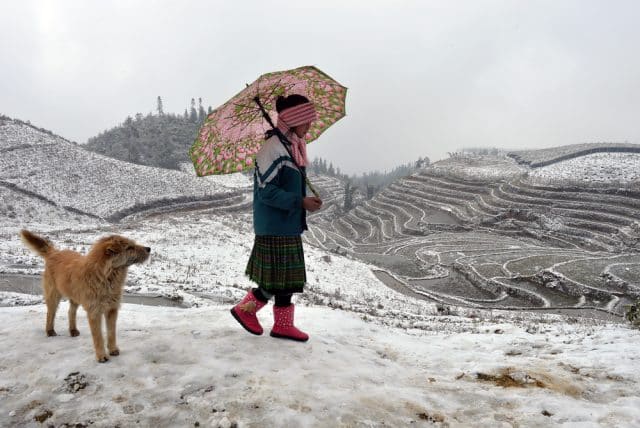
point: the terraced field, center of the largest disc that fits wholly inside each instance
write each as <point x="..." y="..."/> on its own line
<point x="495" y="242"/>
<point x="472" y="232"/>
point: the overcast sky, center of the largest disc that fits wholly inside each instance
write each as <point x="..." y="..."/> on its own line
<point x="424" y="77"/>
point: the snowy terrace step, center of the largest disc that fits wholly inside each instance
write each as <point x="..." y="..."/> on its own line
<point x="415" y="214"/>
<point x="388" y="218"/>
<point x="374" y="216"/>
<point x="469" y="182"/>
<point x="434" y="198"/>
<point x="440" y="187"/>
<point x="578" y="219"/>
<point x="351" y="232"/>
<point x="458" y="189"/>
<point x="343" y="228"/>
<point x="374" y="231"/>
<point x="619" y="204"/>
<point x="337" y="239"/>
<point x="400" y="215"/>
<point x="363" y="227"/>
<point x="585" y="210"/>
<point x="613" y="198"/>
<point x="587" y="217"/>
<point x="594" y="216"/>
<point x="569" y="232"/>
<point x="578" y="235"/>
<point x="469" y="187"/>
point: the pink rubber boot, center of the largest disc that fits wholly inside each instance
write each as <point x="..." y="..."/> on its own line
<point x="245" y="313"/>
<point x="283" y="324"/>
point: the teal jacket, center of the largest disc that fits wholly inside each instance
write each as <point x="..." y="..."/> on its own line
<point x="278" y="189"/>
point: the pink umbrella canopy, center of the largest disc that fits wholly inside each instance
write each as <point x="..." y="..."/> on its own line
<point x="233" y="133"/>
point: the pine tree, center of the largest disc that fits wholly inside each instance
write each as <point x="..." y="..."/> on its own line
<point x="159" y="107"/>
<point x="202" y="114"/>
<point x="370" y="190"/>
<point x="193" y="117"/>
<point x="348" y="196"/>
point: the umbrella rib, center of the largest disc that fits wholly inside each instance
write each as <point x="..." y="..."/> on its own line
<point x="246" y="125"/>
<point x="248" y="112"/>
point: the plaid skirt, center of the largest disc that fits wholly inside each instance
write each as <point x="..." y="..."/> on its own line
<point x="277" y="264"/>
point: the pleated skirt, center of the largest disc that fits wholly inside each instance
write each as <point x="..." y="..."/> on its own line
<point x="277" y="264"/>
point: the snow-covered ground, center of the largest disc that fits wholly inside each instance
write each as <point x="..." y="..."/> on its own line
<point x="375" y="358"/>
<point x="182" y="367"/>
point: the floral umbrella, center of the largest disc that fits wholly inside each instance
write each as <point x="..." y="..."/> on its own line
<point x="233" y="133"/>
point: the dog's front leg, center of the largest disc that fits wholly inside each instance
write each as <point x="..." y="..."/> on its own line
<point x="73" y="310"/>
<point x="95" y="323"/>
<point x="112" y="317"/>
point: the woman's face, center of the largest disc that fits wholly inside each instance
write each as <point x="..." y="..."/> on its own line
<point x="301" y="130"/>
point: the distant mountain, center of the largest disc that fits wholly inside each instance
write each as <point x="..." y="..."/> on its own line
<point x="154" y="140"/>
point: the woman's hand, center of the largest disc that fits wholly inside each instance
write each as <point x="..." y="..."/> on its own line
<point x="311" y="203"/>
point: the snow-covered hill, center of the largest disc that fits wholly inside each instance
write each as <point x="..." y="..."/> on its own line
<point x="39" y="164"/>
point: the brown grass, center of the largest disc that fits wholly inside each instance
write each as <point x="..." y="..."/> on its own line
<point x="506" y="378"/>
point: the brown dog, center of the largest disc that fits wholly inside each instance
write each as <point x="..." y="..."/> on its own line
<point x="94" y="281"/>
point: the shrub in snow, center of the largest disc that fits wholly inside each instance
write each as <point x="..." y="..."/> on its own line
<point x="633" y="314"/>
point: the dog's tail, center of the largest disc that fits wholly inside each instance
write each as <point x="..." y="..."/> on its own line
<point x="41" y="246"/>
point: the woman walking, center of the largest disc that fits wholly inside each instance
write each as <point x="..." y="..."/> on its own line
<point x="280" y="203"/>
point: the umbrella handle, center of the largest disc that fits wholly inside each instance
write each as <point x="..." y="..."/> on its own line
<point x="315" y="192"/>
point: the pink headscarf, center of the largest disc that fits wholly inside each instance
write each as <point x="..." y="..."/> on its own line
<point x="290" y="118"/>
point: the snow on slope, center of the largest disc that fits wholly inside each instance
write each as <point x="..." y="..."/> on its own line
<point x="72" y="177"/>
<point x="478" y="167"/>
<point x="593" y="168"/>
<point x="15" y="134"/>
<point x="18" y="209"/>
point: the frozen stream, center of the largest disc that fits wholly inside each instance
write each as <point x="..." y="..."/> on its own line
<point x="30" y="284"/>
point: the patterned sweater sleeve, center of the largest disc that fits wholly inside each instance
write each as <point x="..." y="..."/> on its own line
<point x="270" y="161"/>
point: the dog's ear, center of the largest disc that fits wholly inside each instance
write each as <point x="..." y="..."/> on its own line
<point x="111" y="250"/>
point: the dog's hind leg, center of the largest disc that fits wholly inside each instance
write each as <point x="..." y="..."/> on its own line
<point x="112" y="317"/>
<point x="73" y="310"/>
<point x="95" y="323"/>
<point x="52" y="298"/>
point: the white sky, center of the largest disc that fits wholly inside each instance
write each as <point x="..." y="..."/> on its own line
<point x="424" y="77"/>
